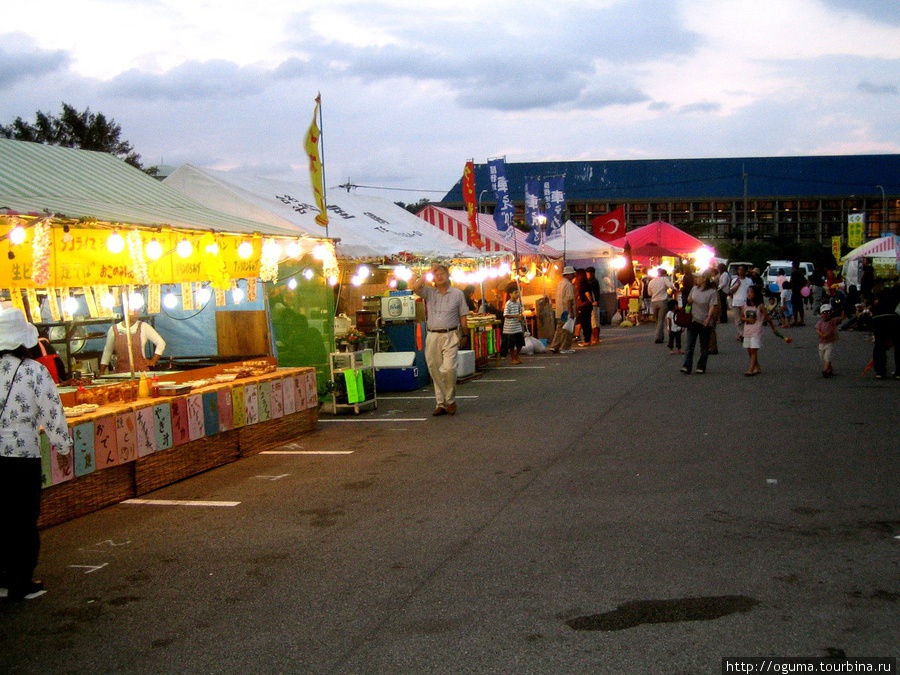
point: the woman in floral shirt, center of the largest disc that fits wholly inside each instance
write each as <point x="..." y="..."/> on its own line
<point x="29" y="402"/>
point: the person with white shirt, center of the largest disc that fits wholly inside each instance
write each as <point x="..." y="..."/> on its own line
<point x="659" y="289"/>
<point x="739" y="286"/>
<point x="30" y="402"/>
<point x="117" y="343"/>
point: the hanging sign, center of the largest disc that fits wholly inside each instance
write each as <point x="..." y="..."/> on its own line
<point x="504" y="211"/>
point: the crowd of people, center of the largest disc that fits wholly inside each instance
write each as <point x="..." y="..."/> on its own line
<point x="709" y="295"/>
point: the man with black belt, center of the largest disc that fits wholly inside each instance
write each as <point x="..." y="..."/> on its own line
<point x="446" y="311"/>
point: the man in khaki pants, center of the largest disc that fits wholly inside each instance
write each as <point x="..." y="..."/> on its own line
<point x="446" y="310"/>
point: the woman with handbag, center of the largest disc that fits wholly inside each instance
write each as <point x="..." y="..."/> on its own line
<point x="702" y="299"/>
<point x="30" y="402"/>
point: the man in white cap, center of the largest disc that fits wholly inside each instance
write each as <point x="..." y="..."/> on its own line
<point x="30" y="401"/>
<point x="565" y="308"/>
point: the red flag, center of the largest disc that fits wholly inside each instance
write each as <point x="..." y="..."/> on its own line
<point x="610" y="225"/>
<point x="468" y="190"/>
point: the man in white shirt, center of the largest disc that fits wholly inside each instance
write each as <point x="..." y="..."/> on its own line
<point x="659" y="288"/>
<point x="565" y="309"/>
<point x="739" y="286"/>
<point x="723" y="286"/>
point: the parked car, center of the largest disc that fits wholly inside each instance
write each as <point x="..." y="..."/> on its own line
<point x="779" y="267"/>
<point x="732" y="267"/>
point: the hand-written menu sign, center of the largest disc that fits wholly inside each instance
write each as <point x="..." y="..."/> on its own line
<point x="83" y="435"/>
<point x="226" y="409"/>
<point x="251" y="404"/>
<point x="106" y="450"/>
<point x="277" y="399"/>
<point x="126" y="436"/>
<point x="238" y="407"/>
<point x="180" y="433"/>
<point x="195" y="417"/>
<point x="265" y="401"/>
<point x="144" y="427"/>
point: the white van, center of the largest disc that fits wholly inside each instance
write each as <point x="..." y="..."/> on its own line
<point x="778" y="267"/>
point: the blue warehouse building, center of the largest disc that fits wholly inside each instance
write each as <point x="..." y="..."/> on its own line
<point x="798" y="198"/>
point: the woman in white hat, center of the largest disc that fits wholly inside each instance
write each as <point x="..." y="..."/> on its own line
<point x="29" y="401"/>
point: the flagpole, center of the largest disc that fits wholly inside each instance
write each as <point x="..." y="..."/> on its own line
<point x="322" y="151"/>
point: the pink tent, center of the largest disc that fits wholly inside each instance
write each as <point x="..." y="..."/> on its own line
<point x="659" y="239"/>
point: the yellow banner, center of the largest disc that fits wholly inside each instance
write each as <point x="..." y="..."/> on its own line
<point x="836" y="248"/>
<point x="316" y="172"/>
<point x="856" y="229"/>
<point x="81" y="259"/>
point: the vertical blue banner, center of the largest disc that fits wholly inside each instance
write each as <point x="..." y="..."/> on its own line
<point x="505" y="211"/>
<point x="533" y="213"/>
<point x="555" y="198"/>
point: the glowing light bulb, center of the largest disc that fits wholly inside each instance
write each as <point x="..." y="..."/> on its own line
<point x="237" y="294"/>
<point x="213" y="248"/>
<point x="70" y="306"/>
<point x="292" y="283"/>
<point x="356" y="281"/>
<point x="108" y="301"/>
<point x="170" y="301"/>
<point x="154" y="249"/>
<point x="184" y="248"/>
<point x="308" y="274"/>
<point x="403" y="273"/>
<point x="245" y="250"/>
<point x="135" y="301"/>
<point x="203" y="295"/>
<point x="392" y="283"/>
<point x="293" y="250"/>
<point x="363" y="272"/>
<point x="115" y="243"/>
<point x="17" y="235"/>
<point x="332" y="280"/>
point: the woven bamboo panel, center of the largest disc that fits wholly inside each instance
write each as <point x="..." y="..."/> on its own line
<point x="256" y="438"/>
<point x="170" y="466"/>
<point x="89" y="493"/>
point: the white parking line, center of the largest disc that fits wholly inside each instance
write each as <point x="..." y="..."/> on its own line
<point x="306" y="452"/>
<point x="380" y="397"/>
<point x="380" y="419"/>
<point x="177" y="502"/>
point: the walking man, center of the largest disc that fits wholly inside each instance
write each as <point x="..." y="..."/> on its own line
<point x="739" y="286"/>
<point x="446" y="311"/>
<point x="659" y="289"/>
<point x="565" y="308"/>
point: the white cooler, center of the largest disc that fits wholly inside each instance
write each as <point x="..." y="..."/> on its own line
<point x="465" y="365"/>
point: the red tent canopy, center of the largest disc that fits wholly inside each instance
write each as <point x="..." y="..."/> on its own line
<point x="659" y="236"/>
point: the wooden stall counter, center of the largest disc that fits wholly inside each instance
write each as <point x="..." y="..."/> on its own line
<point x="125" y="449"/>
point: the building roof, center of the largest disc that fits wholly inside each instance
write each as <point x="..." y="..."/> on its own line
<point x="700" y="179"/>
<point x="73" y="183"/>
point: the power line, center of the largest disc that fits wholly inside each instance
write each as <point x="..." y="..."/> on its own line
<point x="351" y="186"/>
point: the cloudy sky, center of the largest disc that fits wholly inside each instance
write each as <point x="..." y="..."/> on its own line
<point x="411" y="89"/>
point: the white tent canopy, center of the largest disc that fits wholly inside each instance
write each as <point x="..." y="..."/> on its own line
<point x="367" y="227"/>
<point x="882" y="247"/>
<point x="579" y="245"/>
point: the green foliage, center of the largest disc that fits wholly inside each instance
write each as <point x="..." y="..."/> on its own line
<point x="73" y="129"/>
<point x="415" y="208"/>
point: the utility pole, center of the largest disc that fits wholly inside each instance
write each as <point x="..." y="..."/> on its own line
<point x="744" y="176"/>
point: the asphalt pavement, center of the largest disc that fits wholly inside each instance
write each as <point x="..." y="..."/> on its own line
<point x="598" y="512"/>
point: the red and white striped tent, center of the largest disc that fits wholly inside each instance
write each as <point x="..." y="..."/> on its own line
<point x="456" y="223"/>
<point x="883" y="247"/>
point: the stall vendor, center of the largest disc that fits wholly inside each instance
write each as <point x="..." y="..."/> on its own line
<point x="117" y="346"/>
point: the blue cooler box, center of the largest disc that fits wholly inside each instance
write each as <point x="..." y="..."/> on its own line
<point x="396" y="371"/>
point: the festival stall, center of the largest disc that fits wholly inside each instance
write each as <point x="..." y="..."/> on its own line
<point x="88" y="234"/>
<point x="377" y="243"/>
<point x="884" y="254"/>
